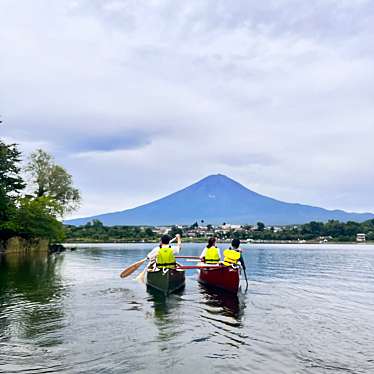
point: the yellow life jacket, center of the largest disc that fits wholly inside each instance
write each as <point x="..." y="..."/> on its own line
<point x="212" y="255"/>
<point x="231" y="257"/>
<point x="165" y="258"/>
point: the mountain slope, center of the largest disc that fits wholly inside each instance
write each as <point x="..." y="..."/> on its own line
<point x="216" y="199"/>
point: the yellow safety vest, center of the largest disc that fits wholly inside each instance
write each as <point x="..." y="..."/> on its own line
<point x="212" y="255"/>
<point x="231" y="257"/>
<point x="165" y="258"/>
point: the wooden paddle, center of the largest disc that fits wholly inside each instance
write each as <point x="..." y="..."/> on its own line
<point x="246" y="280"/>
<point x="140" y="276"/>
<point x="130" y="269"/>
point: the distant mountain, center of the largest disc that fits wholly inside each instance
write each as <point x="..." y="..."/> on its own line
<point x="217" y="199"/>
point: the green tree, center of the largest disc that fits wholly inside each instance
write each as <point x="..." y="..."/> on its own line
<point x="149" y="232"/>
<point x="194" y="226"/>
<point x="35" y="218"/>
<point x="11" y="184"/>
<point x="52" y="180"/>
<point x="260" y="226"/>
<point x="96" y="223"/>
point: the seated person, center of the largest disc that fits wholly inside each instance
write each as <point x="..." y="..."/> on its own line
<point x="211" y="254"/>
<point x="234" y="254"/>
<point x="164" y="254"/>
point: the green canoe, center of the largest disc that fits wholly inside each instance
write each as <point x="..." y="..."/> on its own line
<point x="165" y="281"/>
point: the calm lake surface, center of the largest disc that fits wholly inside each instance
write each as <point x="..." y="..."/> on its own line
<point x="308" y="309"/>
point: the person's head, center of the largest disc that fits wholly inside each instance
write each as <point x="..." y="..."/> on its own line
<point x="165" y="239"/>
<point x="212" y="242"/>
<point x="235" y="243"/>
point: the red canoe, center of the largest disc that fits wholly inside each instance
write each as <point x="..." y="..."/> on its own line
<point x="224" y="277"/>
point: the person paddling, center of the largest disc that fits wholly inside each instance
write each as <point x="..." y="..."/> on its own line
<point x="233" y="255"/>
<point x="211" y="254"/>
<point x="235" y="245"/>
<point x="164" y="254"/>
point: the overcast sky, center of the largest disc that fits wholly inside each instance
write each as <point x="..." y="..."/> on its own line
<point x="140" y="98"/>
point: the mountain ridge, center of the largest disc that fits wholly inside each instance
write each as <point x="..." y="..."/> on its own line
<point x="216" y="199"/>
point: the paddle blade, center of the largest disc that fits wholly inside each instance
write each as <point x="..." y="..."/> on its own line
<point x="129" y="270"/>
<point x="141" y="275"/>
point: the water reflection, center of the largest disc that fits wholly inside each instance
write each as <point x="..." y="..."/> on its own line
<point x="32" y="281"/>
<point x="166" y="312"/>
<point x="223" y="303"/>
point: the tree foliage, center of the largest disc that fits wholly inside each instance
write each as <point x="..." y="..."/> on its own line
<point x="260" y="226"/>
<point x="96" y="231"/>
<point x="194" y="226"/>
<point x="35" y="219"/>
<point x="11" y="183"/>
<point x="33" y="216"/>
<point x="10" y="180"/>
<point x="52" y="180"/>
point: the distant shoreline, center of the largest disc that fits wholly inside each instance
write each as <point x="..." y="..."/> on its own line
<point x="72" y="243"/>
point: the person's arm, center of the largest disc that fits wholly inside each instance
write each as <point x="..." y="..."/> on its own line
<point x="177" y="248"/>
<point x="153" y="254"/>
<point x="203" y="253"/>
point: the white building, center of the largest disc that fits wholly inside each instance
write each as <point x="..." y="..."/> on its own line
<point x="361" y="238"/>
<point x="228" y="226"/>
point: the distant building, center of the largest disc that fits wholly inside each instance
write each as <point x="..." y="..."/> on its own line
<point x="236" y="227"/>
<point x="228" y="227"/>
<point x="361" y="238"/>
<point x="161" y="230"/>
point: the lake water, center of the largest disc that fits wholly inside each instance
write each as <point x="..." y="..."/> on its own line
<point x="308" y="309"/>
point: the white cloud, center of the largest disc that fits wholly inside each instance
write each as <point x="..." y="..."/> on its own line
<point x="139" y="98"/>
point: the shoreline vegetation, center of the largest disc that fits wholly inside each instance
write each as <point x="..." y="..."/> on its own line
<point x="310" y="233"/>
<point x="70" y="244"/>
<point x="33" y="200"/>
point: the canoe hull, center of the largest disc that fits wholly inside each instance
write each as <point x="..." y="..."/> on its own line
<point x="166" y="282"/>
<point x="225" y="278"/>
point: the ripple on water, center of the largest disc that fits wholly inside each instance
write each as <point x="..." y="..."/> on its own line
<point x="307" y="310"/>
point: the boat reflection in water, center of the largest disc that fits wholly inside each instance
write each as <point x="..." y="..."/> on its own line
<point x="166" y="313"/>
<point x="223" y="303"/>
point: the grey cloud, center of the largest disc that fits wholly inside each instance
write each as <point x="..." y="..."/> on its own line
<point x="108" y="142"/>
<point x="324" y="19"/>
<point x="277" y="94"/>
<point x="82" y="134"/>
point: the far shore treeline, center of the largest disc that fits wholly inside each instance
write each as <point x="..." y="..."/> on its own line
<point x="35" y="194"/>
<point x="331" y="231"/>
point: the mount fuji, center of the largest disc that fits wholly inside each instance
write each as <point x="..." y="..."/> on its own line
<point x="217" y="199"/>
